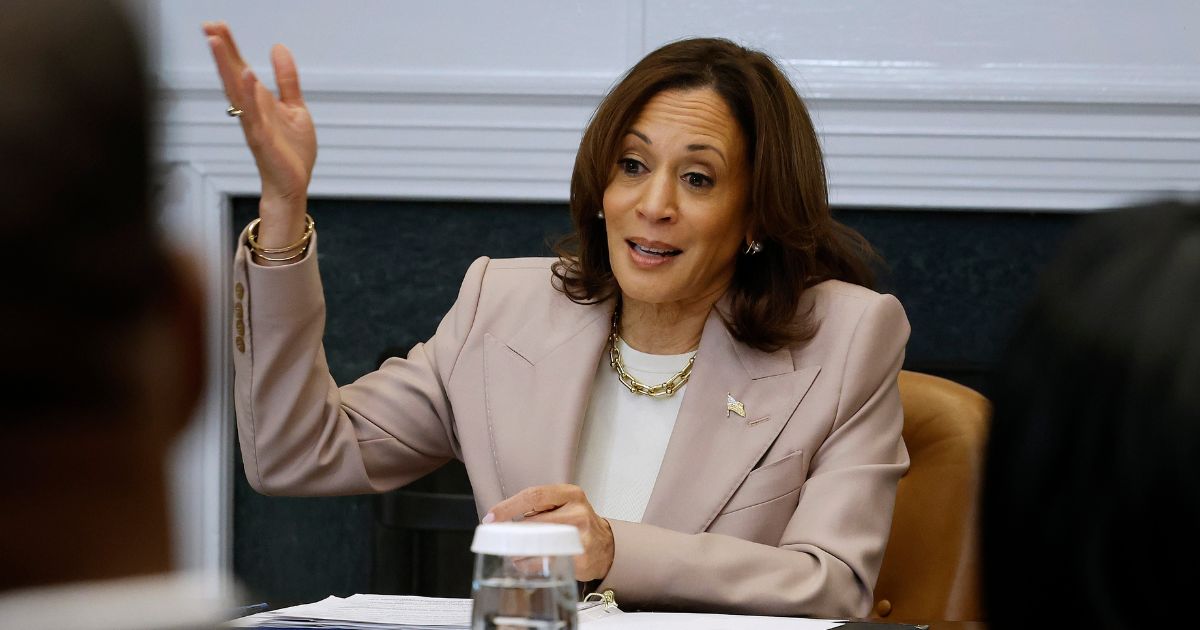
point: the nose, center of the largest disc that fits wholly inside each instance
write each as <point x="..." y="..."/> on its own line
<point x="657" y="201"/>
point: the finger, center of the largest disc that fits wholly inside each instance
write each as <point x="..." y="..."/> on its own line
<point x="230" y="71"/>
<point x="253" y="102"/>
<point x="533" y="499"/>
<point x="287" y="78"/>
<point x="222" y="30"/>
<point x="565" y="515"/>
<point x="229" y="78"/>
<point x="210" y="28"/>
<point x="230" y="53"/>
<point x="264" y="99"/>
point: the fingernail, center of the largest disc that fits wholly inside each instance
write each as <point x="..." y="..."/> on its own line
<point x="489" y="517"/>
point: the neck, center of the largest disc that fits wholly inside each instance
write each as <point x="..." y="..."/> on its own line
<point x="672" y="328"/>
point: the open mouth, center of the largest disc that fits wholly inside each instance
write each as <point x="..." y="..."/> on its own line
<point x="662" y="252"/>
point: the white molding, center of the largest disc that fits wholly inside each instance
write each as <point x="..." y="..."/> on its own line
<point x="325" y="83"/>
<point x="1021" y="138"/>
<point x="196" y="217"/>
<point x="816" y="79"/>
<point x="1026" y="83"/>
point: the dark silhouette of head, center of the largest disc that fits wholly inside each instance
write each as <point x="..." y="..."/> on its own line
<point x="1092" y="492"/>
<point x="100" y="327"/>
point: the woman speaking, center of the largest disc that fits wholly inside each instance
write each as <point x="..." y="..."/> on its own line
<point x="698" y="382"/>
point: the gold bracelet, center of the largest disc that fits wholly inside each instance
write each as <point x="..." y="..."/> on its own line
<point x="252" y="237"/>
<point x="298" y="254"/>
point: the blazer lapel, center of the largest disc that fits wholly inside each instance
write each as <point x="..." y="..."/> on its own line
<point x="537" y="386"/>
<point x="711" y="451"/>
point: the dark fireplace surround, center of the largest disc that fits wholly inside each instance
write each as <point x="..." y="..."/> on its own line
<point x="391" y="269"/>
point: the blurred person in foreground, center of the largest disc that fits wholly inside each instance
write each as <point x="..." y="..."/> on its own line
<point x="101" y="333"/>
<point x="1092" y="494"/>
<point x="761" y="481"/>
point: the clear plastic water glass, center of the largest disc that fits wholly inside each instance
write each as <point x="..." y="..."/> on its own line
<point x="525" y="577"/>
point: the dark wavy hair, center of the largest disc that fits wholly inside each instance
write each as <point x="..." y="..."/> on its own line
<point x="788" y="198"/>
<point x="1091" y="498"/>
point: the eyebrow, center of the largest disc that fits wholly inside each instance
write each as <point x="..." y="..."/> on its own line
<point x="690" y="147"/>
<point x="709" y="147"/>
<point x="641" y="135"/>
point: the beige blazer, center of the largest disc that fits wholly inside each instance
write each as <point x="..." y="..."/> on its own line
<point x="783" y="512"/>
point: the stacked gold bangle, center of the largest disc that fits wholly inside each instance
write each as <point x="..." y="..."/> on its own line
<point x="296" y="249"/>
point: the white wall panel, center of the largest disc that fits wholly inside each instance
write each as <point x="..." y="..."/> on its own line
<point x="388" y="35"/>
<point x="937" y="33"/>
<point x="1064" y="105"/>
<point x="452" y="100"/>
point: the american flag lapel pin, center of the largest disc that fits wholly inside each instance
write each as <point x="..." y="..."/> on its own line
<point x="734" y="405"/>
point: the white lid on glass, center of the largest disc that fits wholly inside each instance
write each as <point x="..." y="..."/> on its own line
<point x="527" y="539"/>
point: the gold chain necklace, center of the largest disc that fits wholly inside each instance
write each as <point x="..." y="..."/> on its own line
<point x="662" y="390"/>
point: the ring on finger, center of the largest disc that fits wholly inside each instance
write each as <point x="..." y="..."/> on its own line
<point x="233" y="112"/>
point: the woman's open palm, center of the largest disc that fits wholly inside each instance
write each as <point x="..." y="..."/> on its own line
<point x="279" y="131"/>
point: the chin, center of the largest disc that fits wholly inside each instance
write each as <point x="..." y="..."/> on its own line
<point x="644" y="287"/>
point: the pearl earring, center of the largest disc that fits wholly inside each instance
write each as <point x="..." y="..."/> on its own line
<point x="753" y="248"/>
<point x="600" y="214"/>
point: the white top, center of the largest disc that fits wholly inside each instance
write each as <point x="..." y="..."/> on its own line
<point x="625" y="435"/>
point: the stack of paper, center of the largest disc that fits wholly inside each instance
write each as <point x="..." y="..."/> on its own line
<point x="368" y="612"/>
<point x="398" y="612"/>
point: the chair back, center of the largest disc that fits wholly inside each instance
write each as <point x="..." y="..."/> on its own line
<point x="931" y="567"/>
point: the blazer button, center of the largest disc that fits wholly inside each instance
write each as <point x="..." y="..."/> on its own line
<point x="240" y="343"/>
<point x="239" y="290"/>
<point x="883" y="608"/>
<point x="237" y="310"/>
<point x="241" y="328"/>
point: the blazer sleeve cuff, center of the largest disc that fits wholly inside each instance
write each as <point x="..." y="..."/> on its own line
<point x="627" y="577"/>
<point x="282" y="291"/>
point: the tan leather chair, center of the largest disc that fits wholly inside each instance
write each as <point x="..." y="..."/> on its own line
<point x="931" y="567"/>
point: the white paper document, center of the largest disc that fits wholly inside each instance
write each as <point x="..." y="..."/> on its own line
<point x="373" y="612"/>
<point x="402" y="612"/>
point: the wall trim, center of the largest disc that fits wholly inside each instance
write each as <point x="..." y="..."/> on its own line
<point x="196" y="218"/>
<point x="1056" y="138"/>
<point x="817" y="79"/>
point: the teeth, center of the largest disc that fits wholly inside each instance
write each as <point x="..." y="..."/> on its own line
<point x="656" y="252"/>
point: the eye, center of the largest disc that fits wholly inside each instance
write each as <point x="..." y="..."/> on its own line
<point x="697" y="180"/>
<point x="630" y="166"/>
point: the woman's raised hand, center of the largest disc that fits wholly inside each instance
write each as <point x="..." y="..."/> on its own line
<point x="279" y="132"/>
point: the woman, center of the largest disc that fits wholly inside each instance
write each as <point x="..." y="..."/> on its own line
<point x="1092" y="496"/>
<point x="697" y="385"/>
